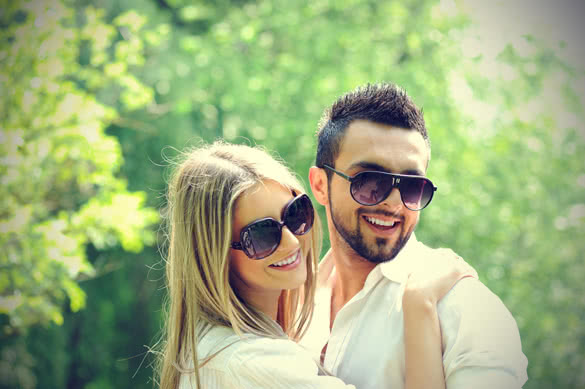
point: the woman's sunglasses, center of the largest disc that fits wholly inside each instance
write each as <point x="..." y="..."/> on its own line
<point x="261" y="238"/>
<point x="372" y="187"/>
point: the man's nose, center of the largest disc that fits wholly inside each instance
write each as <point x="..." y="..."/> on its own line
<point x="393" y="201"/>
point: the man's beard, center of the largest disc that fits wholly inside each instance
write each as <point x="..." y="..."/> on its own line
<point x="356" y="241"/>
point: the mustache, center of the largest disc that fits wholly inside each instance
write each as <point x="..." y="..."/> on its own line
<point x="382" y="212"/>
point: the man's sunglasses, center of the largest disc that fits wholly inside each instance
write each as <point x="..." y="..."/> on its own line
<point x="261" y="238"/>
<point x="372" y="187"/>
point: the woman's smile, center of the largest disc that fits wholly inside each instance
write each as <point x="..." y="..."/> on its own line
<point x="289" y="262"/>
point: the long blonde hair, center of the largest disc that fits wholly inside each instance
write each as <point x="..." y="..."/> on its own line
<point x="201" y="197"/>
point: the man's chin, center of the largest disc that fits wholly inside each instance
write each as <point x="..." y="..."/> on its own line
<point x="380" y="257"/>
<point x="373" y="249"/>
<point x="384" y="251"/>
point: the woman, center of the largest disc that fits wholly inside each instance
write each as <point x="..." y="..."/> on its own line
<point x="243" y="248"/>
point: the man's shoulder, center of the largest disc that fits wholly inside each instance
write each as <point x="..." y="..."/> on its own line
<point x="478" y="330"/>
<point x="470" y="293"/>
<point x="472" y="306"/>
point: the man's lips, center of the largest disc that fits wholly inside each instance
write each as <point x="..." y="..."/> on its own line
<point x="383" y="224"/>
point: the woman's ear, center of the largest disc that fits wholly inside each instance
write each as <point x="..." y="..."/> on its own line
<point x="318" y="181"/>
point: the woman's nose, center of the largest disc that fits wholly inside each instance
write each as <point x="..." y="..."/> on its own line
<point x="289" y="241"/>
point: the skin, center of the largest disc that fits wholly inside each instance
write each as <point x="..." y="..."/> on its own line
<point x="257" y="281"/>
<point x="367" y="146"/>
<point x="261" y="285"/>
<point x="423" y="353"/>
<point x="357" y="246"/>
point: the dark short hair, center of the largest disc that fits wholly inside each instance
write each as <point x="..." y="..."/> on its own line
<point x="383" y="103"/>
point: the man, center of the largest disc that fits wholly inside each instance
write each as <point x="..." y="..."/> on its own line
<point x="372" y="155"/>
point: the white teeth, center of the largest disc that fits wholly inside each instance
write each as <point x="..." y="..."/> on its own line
<point x="380" y="222"/>
<point x="286" y="261"/>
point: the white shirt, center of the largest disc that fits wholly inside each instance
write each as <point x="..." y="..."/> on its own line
<point x="256" y="362"/>
<point x="481" y="343"/>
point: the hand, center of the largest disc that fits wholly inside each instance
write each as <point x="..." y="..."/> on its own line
<point x="429" y="285"/>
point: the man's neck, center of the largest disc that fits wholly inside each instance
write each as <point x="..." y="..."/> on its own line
<point x="351" y="272"/>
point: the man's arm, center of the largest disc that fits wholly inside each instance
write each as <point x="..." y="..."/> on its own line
<point x="422" y="334"/>
<point x="481" y="342"/>
<point x="422" y="347"/>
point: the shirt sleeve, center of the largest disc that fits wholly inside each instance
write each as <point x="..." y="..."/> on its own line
<point x="278" y="363"/>
<point x="481" y="342"/>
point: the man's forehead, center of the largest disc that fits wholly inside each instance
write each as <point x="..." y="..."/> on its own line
<point x="369" y="130"/>
<point x="410" y="167"/>
<point x="366" y="142"/>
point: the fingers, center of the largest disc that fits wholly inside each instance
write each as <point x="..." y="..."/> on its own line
<point x="464" y="269"/>
<point x="450" y="261"/>
<point x="438" y="276"/>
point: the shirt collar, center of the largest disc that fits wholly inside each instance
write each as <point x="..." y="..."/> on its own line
<point x="397" y="270"/>
<point x="408" y="259"/>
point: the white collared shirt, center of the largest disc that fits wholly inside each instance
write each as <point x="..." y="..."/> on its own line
<point x="255" y="362"/>
<point x="481" y="342"/>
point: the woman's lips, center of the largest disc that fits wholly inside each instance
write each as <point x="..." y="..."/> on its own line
<point x="288" y="263"/>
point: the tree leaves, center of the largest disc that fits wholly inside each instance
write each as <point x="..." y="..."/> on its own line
<point x="60" y="186"/>
<point x="91" y="95"/>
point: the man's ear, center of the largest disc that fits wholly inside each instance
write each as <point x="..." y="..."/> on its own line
<point x="318" y="181"/>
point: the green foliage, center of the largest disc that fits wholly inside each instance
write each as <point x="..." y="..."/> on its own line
<point x="95" y="95"/>
<point x="60" y="187"/>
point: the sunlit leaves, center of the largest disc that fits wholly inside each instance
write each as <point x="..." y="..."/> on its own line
<point x="504" y="116"/>
<point x="60" y="187"/>
<point x="116" y="217"/>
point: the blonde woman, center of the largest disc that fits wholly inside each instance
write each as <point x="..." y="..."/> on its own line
<point x="243" y="248"/>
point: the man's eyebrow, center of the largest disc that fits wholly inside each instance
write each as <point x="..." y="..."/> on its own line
<point x="367" y="165"/>
<point x="377" y="167"/>
<point x="413" y="172"/>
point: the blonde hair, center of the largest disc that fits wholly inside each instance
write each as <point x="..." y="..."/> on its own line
<point x="201" y="197"/>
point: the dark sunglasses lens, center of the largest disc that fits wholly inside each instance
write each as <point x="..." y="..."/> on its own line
<point x="263" y="238"/>
<point x="416" y="192"/>
<point x="369" y="188"/>
<point x="299" y="215"/>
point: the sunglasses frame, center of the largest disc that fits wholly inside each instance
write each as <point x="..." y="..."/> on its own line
<point x="238" y="245"/>
<point x="395" y="184"/>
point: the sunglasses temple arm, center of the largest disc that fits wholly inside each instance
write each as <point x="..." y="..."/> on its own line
<point x="348" y="178"/>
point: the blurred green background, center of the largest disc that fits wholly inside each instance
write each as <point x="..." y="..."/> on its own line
<point x="97" y="95"/>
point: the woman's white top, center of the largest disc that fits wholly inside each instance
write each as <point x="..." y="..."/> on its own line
<point x="256" y="362"/>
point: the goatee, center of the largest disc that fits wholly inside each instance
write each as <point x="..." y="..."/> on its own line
<point x="356" y="241"/>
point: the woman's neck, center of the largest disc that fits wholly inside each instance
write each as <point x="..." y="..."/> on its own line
<point x="264" y="301"/>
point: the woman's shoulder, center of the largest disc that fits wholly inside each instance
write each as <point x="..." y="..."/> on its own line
<point x="216" y="349"/>
<point x="262" y="362"/>
<point x="216" y="344"/>
<point x="251" y="361"/>
<point x="228" y="360"/>
<point x="221" y="346"/>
